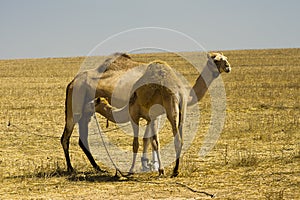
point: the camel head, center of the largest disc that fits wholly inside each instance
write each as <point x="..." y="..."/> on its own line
<point x="221" y="62"/>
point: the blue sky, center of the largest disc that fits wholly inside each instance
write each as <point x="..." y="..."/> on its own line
<point x="60" y="28"/>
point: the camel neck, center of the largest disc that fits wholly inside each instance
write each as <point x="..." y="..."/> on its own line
<point x="207" y="76"/>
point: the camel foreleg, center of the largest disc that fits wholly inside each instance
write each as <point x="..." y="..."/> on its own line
<point x="135" y="145"/>
<point x="144" y="159"/>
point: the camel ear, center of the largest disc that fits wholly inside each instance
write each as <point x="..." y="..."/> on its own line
<point x="211" y="55"/>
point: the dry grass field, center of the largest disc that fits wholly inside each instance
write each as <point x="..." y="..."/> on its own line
<point x="256" y="157"/>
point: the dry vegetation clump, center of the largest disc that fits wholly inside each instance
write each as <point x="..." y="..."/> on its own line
<point x="256" y="157"/>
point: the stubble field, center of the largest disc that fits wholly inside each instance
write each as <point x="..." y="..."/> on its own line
<point x="256" y="157"/>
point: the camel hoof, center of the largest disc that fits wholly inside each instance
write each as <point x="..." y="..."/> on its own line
<point x="98" y="169"/>
<point x="175" y="174"/>
<point x="161" y="172"/>
<point x="71" y="170"/>
<point x="130" y="174"/>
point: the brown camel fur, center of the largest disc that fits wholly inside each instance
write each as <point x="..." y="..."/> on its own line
<point x="98" y="82"/>
<point x="160" y="85"/>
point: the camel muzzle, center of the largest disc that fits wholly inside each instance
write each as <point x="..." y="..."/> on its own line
<point x="227" y="69"/>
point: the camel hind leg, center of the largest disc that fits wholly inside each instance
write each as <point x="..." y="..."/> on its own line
<point x="83" y="140"/>
<point x="156" y="152"/>
<point x="151" y="136"/>
<point x="173" y="115"/>
<point x="69" y="126"/>
<point x="65" y="141"/>
<point x="155" y="146"/>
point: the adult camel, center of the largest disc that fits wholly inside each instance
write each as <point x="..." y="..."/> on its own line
<point x="160" y="85"/>
<point x="98" y="82"/>
<point x="101" y="82"/>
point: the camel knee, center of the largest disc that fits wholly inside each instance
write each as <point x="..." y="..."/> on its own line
<point x="64" y="142"/>
<point x="155" y="142"/>
<point x="65" y="138"/>
<point x="178" y="144"/>
<point x="146" y="142"/>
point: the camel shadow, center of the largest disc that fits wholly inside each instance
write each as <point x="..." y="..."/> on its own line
<point x="106" y="176"/>
<point x="41" y="174"/>
<point x="77" y="176"/>
<point x="95" y="177"/>
<point x="109" y="177"/>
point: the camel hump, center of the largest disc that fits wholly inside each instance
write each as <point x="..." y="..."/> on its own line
<point x="158" y="69"/>
<point x="117" y="57"/>
<point x="121" y="55"/>
<point x="157" y="66"/>
<point x="159" y="73"/>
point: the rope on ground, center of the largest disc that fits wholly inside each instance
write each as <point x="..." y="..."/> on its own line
<point x="180" y="184"/>
<point x="196" y="191"/>
<point x="107" y="152"/>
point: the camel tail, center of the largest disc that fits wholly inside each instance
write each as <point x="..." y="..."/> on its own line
<point x="182" y="111"/>
<point x="68" y="101"/>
